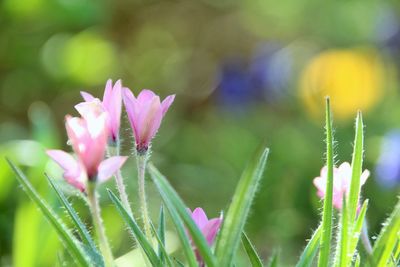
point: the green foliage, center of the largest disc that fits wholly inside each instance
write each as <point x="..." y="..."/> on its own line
<point x="255" y="260"/>
<point x="178" y="211"/>
<point x="325" y="241"/>
<point x="309" y="252"/>
<point x="84" y="234"/>
<point x="133" y="226"/>
<point x="73" y="246"/>
<point x="236" y="216"/>
<point x="388" y="237"/>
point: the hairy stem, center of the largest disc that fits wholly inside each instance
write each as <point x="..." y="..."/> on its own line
<point x="114" y="150"/>
<point x="141" y="160"/>
<point x="98" y="224"/>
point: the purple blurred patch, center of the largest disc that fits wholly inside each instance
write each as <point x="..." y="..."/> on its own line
<point x="388" y="168"/>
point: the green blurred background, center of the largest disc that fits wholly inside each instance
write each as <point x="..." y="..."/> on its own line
<point x="243" y="72"/>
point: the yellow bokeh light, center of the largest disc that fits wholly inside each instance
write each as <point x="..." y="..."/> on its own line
<point x="352" y="78"/>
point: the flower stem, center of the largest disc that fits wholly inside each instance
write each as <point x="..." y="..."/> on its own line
<point x="98" y="224"/>
<point x="114" y="150"/>
<point x="141" y="160"/>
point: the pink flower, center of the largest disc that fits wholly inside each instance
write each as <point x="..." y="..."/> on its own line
<point x="111" y="104"/>
<point x="145" y="114"/>
<point x="209" y="228"/>
<point x="341" y="182"/>
<point x="88" y="137"/>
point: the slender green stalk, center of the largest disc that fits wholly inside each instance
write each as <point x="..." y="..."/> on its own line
<point x="98" y="224"/>
<point x="114" y="150"/>
<point x="326" y="237"/>
<point x="141" y="161"/>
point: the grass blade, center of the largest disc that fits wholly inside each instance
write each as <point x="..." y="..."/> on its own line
<point x="162" y="250"/>
<point x="236" y="216"/>
<point x="140" y="237"/>
<point x="385" y="244"/>
<point x="309" y="252"/>
<point x="178" y="209"/>
<point x="161" y="233"/>
<point x="79" y="225"/>
<point x="326" y="237"/>
<point x="274" y="260"/>
<point x="358" y="228"/>
<point x="341" y="250"/>
<point x="251" y="252"/>
<point x="69" y="241"/>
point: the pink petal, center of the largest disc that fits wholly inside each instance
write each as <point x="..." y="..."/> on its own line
<point x="364" y="177"/>
<point x="320" y="184"/>
<point x="93" y="107"/>
<point x="65" y="160"/>
<point x="145" y="95"/>
<point x="199" y="217"/>
<point x="167" y="102"/>
<point x="107" y="91"/>
<point x="108" y="167"/>
<point x="114" y="109"/>
<point x="86" y="96"/>
<point x="72" y="171"/>
<point x="149" y="120"/>
<point x="211" y="229"/>
<point x="130" y="106"/>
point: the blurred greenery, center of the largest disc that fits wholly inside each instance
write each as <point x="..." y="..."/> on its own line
<point x="243" y="72"/>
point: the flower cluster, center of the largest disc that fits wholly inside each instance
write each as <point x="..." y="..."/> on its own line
<point x="96" y="131"/>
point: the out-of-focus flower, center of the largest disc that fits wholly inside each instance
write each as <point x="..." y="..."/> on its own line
<point x="341" y="182"/>
<point x="271" y="70"/>
<point x="112" y="104"/>
<point x="209" y="228"/>
<point x="352" y="78"/>
<point x="145" y="114"/>
<point x="88" y="137"/>
<point x="388" y="167"/>
<point x="234" y="88"/>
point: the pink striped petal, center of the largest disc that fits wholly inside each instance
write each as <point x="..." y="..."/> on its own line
<point x="108" y="167"/>
<point x="211" y="229"/>
<point x="199" y="217"/>
<point x="167" y="102"/>
<point x="86" y="96"/>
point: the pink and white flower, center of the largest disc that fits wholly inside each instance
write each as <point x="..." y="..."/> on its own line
<point x="111" y="104"/>
<point x="341" y="182"/>
<point x="145" y="114"/>
<point x="88" y="137"/>
<point x="209" y="228"/>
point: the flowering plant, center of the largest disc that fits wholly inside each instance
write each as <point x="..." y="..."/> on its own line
<point x="95" y="140"/>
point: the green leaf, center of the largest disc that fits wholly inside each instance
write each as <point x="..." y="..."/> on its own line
<point x="84" y="234"/>
<point x="236" y="216"/>
<point x="386" y="242"/>
<point x="140" y="237"/>
<point x="69" y="241"/>
<point x="309" y="252"/>
<point x="177" y="209"/>
<point x="326" y="237"/>
<point x="274" y="261"/>
<point x="341" y="250"/>
<point x="161" y="246"/>
<point x="161" y="233"/>
<point x="251" y="251"/>
<point x="358" y="228"/>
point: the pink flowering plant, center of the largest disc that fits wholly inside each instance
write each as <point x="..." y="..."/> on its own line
<point x="95" y="158"/>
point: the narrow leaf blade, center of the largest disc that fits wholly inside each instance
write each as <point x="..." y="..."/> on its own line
<point x="140" y="237"/>
<point x="236" y="216"/>
<point x="79" y="225"/>
<point x="309" y="252"/>
<point x="255" y="260"/>
<point x="69" y="241"/>
<point x="326" y="237"/>
<point x="385" y="244"/>
<point x="175" y="205"/>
